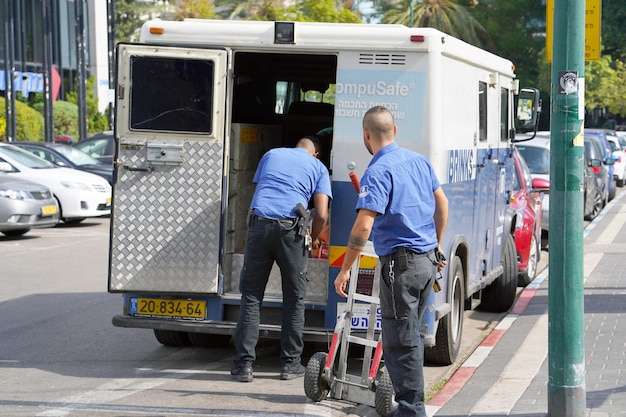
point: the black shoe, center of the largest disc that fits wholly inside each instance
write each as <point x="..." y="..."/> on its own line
<point x="242" y="372"/>
<point x="292" y="371"/>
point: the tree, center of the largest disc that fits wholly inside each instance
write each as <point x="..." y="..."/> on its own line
<point x="445" y="15"/>
<point x="302" y="10"/>
<point x="129" y="15"/>
<point x="613" y="33"/>
<point x="515" y="29"/>
<point x="200" y="9"/>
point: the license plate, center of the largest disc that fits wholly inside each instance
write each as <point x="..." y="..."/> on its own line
<point x="164" y="307"/>
<point x="109" y="202"/>
<point x="48" y="210"/>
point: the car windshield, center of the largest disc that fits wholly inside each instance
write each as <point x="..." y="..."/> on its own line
<point x="537" y="159"/>
<point x="25" y="158"/>
<point x="77" y="156"/>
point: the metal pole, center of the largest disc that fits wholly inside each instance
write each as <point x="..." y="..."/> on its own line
<point x="81" y="71"/>
<point x="566" y="352"/>
<point x="9" y="70"/>
<point x="47" y="70"/>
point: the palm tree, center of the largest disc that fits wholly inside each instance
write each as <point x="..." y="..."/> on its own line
<point x="445" y="15"/>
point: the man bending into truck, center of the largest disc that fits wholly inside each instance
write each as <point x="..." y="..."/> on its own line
<point x="403" y="206"/>
<point x="287" y="179"/>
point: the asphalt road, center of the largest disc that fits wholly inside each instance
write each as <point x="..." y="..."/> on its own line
<point x="61" y="356"/>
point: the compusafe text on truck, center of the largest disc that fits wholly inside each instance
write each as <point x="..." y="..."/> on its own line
<point x="198" y="102"/>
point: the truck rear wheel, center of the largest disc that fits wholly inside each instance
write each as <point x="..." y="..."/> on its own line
<point x="500" y="294"/>
<point x="172" y="338"/>
<point x="209" y="340"/>
<point x="450" y="328"/>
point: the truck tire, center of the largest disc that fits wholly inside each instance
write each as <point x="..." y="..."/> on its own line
<point x="498" y="297"/>
<point x="172" y="338"/>
<point x="314" y="386"/>
<point x="209" y="340"/>
<point x="450" y="327"/>
<point x="526" y="277"/>
<point x="384" y="401"/>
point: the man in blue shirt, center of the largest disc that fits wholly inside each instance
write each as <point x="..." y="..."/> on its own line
<point x="402" y="205"/>
<point x="285" y="177"/>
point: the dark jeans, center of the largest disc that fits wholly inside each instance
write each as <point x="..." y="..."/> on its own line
<point x="266" y="242"/>
<point x="403" y="300"/>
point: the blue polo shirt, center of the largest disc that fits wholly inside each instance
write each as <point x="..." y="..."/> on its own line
<point x="398" y="184"/>
<point x="286" y="177"/>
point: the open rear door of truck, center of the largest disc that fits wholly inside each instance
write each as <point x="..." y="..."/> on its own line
<point x="166" y="224"/>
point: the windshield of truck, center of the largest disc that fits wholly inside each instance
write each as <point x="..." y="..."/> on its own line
<point x="171" y="94"/>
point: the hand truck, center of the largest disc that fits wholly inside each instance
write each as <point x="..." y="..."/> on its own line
<point x="323" y="376"/>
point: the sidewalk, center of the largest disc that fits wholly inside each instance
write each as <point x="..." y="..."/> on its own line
<point x="507" y="375"/>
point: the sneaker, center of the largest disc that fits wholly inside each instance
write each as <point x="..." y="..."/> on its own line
<point x="242" y="372"/>
<point x="292" y="371"/>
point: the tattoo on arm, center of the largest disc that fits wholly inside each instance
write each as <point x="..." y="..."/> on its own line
<point x="356" y="242"/>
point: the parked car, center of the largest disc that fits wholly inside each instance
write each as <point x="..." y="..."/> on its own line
<point x="619" y="155"/>
<point x="526" y="200"/>
<point x="600" y="135"/>
<point x="100" y="146"/>
<point x="599" y="173"/>
<point x="79" y="194"/>
<point x="536" y="153"/>
<point x="68" y="156"/>
<point x="25" y="205"/>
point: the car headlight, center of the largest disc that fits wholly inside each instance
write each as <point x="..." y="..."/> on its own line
<point x="76" y="185"/>
<point x="15" y="194"/>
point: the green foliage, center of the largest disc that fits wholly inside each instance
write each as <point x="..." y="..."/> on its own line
<point x="65" y="118"/>
<point x="197" y="9"/>
<point x="96" y="121"/>
<point x="618" y="104"/>
<point x="29" y="122"/>
<point x="129" y="16"/>
<point x="445" y="15"/>
<point x="299" y="11"/>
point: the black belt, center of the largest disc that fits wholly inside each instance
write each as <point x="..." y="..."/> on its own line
<point x="288" y="222"/>
<point x="403" y="251"/>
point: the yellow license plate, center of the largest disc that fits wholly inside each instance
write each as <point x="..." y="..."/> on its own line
<point x="163" y="307"/>
<point x="48" y="210"/>
<point x="108" y="201"/>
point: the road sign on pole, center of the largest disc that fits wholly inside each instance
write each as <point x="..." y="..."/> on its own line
<point x="593" y="17"/>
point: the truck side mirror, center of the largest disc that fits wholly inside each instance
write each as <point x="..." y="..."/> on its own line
<point x="528" y="109"/>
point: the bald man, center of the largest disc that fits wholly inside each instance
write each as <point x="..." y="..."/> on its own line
<point x="401" y="204"/>
<point x="284" y="178"/>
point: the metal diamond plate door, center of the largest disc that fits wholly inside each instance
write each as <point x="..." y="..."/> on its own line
<point x="166" y="218"/>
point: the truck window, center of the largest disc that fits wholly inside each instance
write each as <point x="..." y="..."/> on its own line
<point x="482" y="111"/>
<point x="170" y="94"/>
<point x="504" y="114"/>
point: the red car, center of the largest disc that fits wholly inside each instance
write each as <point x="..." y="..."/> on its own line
<point x="526" y="200"/>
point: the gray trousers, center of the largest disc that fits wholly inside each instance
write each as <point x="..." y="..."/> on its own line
<point x="403" y="298"/>
<point x="266" y="242"/>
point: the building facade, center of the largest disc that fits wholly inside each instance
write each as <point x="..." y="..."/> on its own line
<point x="26" y="43"/>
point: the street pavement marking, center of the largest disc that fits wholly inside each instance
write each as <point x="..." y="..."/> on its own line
<point x="610" y="231"/>
<point x="518" y="374"/>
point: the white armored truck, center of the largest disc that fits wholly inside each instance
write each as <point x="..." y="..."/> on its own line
<point x="198" y="102"/>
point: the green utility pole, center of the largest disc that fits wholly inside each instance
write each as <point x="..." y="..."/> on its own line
<point x="566" y="351"/>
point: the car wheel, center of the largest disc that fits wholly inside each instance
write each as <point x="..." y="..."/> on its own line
<point x="598" y="203"/>
<point x="75" y="220"/>
<point x="500" y="294"/>
<point x="526" y="277"/>
<point x="206" y="340"/>
<point x="13" y="233"/>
